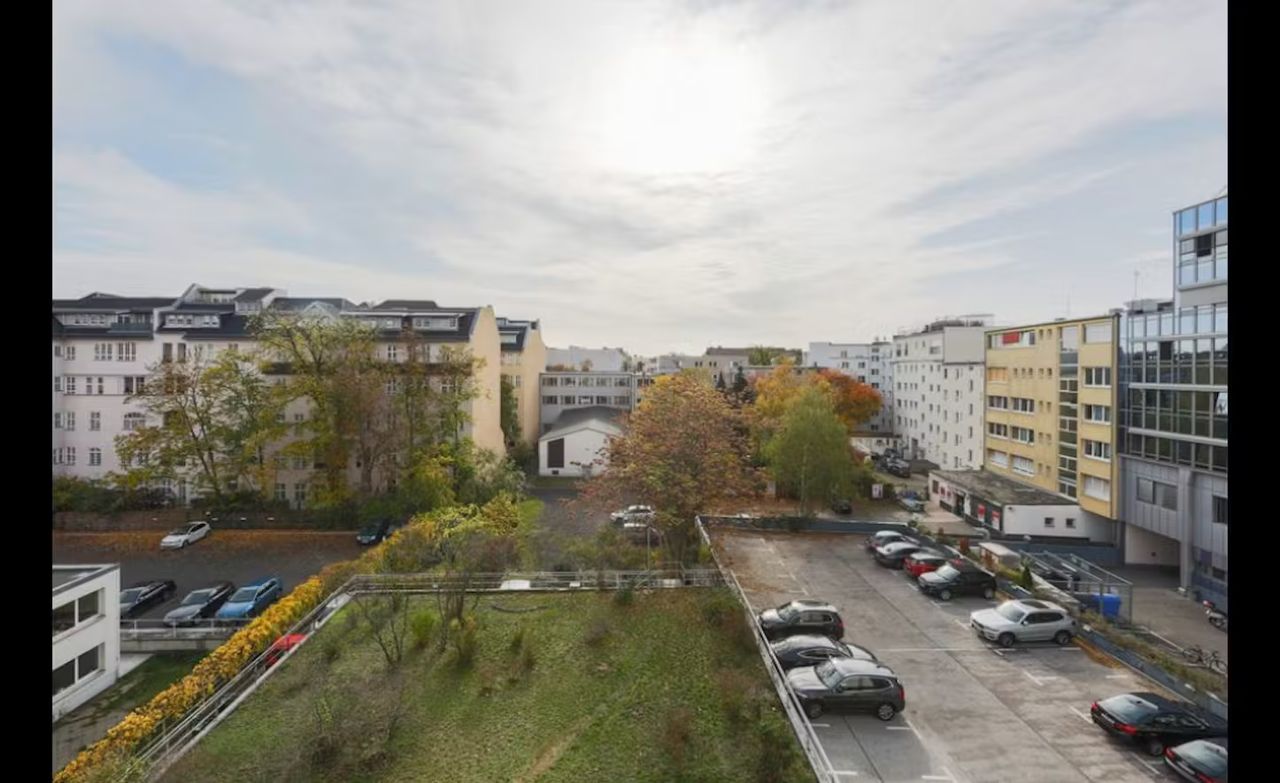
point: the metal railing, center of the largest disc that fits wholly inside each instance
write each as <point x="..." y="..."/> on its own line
<point x="204" y="628"/>
<point x="800" y="725"/>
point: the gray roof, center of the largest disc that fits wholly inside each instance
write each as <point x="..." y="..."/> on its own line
<point x="301" y="302"/>
<point x="574" y="417"/>
<point x="252" y="294"/>
<point x="407" y="304"/>
<point x="1002" y="490"/>
<point x="111" y="302"/>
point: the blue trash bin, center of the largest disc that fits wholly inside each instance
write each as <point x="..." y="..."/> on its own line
<point x="1110" y="606"/>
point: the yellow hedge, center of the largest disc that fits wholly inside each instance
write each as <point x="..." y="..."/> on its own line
<point x="216" y="669"/>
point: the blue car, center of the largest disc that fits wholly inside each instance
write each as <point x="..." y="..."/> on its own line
<point x="250" y="600"/>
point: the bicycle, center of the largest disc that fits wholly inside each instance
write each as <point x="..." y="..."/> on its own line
<point x="1196" y="656"/>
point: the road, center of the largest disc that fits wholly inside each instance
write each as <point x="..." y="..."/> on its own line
<point x="975" y="713"/>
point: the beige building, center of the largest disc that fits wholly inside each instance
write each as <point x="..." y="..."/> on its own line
<point x="1050" y="412"/>
<point x="524" y="357"/>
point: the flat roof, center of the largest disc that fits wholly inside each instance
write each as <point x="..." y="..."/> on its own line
<point x="1002" y="490"/>
<point x="1062" y="322"/>
<point x="67" y="576"/>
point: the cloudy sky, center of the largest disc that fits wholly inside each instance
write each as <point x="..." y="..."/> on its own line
<point x="656" y="175"/>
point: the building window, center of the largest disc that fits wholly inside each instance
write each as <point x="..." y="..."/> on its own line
<point x="997" y="430"/>
<point x="1097" y="333"/>
<point x="70" y="353"/>
<point x="1097" y="450"/>
<point x="1158" y="494"/>
<point x="1219" y="510"/>
<point x="393" y="353"/>
<point x="280" y="490"/>
<point x="1024" y="466"/>
<point x="95" y="421"/>
<point x="555" y="453"/>
<point x="126" y="352"/>
<point x="70" y="421"/>
<point x="57" y="420"/>
<point x="102" y="352"/>
<point x="182" y="352"/>
<point x="57" y="383"/>
<point x="1048" y="521"/>
<point x="1099" y="489"/>
<point x="1098" y="413"/>
<point x="1097" y="376"/>
<point x="1071" y="523"/>
<point x="1023" y="405"/>
<point x="134" y="421"/>
<point x="998" y="403"/>
<point x="999" y="458"/>
<point x="1022" y="434"/>
<point x="71" y="384"/>
<point x="71" y="455"/>
<point x="549" y="399"/>
<point x="300" y="494"/>
<point x="95" y="456"/>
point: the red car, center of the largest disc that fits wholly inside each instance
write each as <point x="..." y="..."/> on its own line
<point x="922" y="562"/>
<point x="283" y="645"/>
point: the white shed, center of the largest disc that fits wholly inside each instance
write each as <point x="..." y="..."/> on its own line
<point x="577" y="440"/>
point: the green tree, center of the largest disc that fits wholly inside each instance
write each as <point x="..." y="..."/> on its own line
<point x="809" y="455"/>
<point x="510" y="413"/>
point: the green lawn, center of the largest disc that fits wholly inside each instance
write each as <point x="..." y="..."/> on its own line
<point x="672" y="692"/>
<point x="140" y="685"/>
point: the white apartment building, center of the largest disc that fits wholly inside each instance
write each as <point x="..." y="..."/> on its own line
<point x="588" y="359"/>
<point x="937" y="390"/>
<point x="105" y="345"/>
<point x="86" y="633"/>
<point x="568" y="391"/>
<point x="869" y="363"/>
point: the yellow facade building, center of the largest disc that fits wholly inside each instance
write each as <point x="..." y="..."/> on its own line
<point x="1052" y="407"/>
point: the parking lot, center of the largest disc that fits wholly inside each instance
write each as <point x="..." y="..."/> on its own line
<point x="975" y="713"/>
<point x="237" y="556"/>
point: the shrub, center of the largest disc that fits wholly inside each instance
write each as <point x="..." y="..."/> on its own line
<point x="720" y="606"/>
<point x="677" y="732"/>
<point x="597" y="631"/>
<point x="462" y="635"/>
<point x="331" y="647"/>
<point x="422" y="626"/>
<point x="776" y="749"/>
<point x="624" y="597"/>
<point x="1025" y="579"/>
<point x="517" y="640"/>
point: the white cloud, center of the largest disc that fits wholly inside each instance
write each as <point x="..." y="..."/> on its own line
<point x="655" y="176"/>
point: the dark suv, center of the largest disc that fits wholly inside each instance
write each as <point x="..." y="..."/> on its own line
<point x="848" y="684"/>
<point x="801" y="617"/>
<point x="957" y="577"/>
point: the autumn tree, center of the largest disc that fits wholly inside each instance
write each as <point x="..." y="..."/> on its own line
<point x="773" y="393"/>
<point x="684" y="450"/>
<point x="855" y="402"/>
<point x="809" y="455"/>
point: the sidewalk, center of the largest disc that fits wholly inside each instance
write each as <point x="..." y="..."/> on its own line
<point x="1158" y="607"/>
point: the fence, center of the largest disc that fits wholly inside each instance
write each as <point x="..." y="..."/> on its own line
<point x="203" y="628"/>
<point x="800" y="724"/>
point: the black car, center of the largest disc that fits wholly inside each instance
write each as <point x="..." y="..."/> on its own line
<point x="200" y="604"/>
<point x="1202" y="761"/>
<point x="957" y="577"/>
<point x="138" y="598"/>
<point x="898" y="468"/>
<point x="841" y="506"/>
<point x="1153" y="722"/>
<point x="373" y="532"/>
<point x="892" y="554"/>
<point x="882" y="537"/>
<point x="801" y="617"/>
<point x="810" y="650"/>
<point x="848" y="684"/>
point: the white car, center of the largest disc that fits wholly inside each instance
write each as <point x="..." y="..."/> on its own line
<point x="633" y="514"/>
<point x="1024" y="621"/>
<point x="185" y="535"/>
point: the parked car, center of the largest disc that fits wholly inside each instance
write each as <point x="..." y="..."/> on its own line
<point x="842" y="506"/>
<point x="911" y="504"/>
<point x="141" y="596"/>
<point x="813" y="649"/>
<point x="283" y="645"/>
<point x="893" y="553"/>
<point x="957" y="577"/>
<point x="633" y="514"/>
<point x="882" y="537"/>
<point x="1201" y="761"/>
<point x="1024" y="621"/>
<point x="200" y="604"/>
<point x="1153" y="722"/>
<point x="923" y="561"/>
<point x="848" y="684"/>
<point x="373" y="533"/>
<point x="641" y="532"/>
<point x="185" y="536"/>
<point x="801" y="617"/>
<point x="250" y="600"/>
<point x="898" y="468"/>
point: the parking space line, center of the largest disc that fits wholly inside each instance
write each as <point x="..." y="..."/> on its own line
<point x="959" y="622"/>
<point x="937" y="777"/>
<point x="1144" y="761"/>
<point x="1081" y="715"/>
<point x="898" y="728"/>
<point x="821" y="725"/>
<point x="1117" y="676"/>
<point x="933" y="649"/>
<point x="848" y="772"/>
<point x="913" y="728"/>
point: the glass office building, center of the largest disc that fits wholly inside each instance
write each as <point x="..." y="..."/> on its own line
<point x="1174" y="375"/>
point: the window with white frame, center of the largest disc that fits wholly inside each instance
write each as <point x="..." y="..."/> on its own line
<point x="95" y="456"/>
<point x="1022" y="434"/>
<point x="70" y="353"/>
<point x="57" y="383"/>
<point x="95" y="421"/>
<point x="300" y="494"/>
<point x="1096" y="449"/>
<point x="100" y="385"/>
<point x="1023" y="405"/>
<point x="71" y="384"/>
<point x="1096" y="488"/>
<point x="126" y="352"/>
<point x="998" y="458"/>
<point x="1097" y="376"/>
<point x="70" y="421"/>
<point x="102" y="352"/>
<point x="281" y="491"/>
<point x="1098" y="333"/>
<point x="1024" y="465"/>
<point x="71" y="455"/>
<point x="393" y="352"/>
<point x="57" y="420"/>
<point x="997" y="430"/>
<point x="1098" y="413"/>
<point x="998" y="402"/>
<point x="134" y="421"/>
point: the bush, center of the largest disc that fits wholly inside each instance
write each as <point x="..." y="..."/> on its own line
<point x="597" y="631"/>
<point x="776" y="749"/>
<point x="1025" y="580"/>
<point x="422" y="626"/>
<point x="462" y="635"/>
<point x="624" y="597"/>
<point x="719" y="607"/>
<point x="331" y="647"/>
<point x="677" y="732"/>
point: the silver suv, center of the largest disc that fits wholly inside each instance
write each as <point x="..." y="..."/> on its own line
<point x="1024" y="621"/>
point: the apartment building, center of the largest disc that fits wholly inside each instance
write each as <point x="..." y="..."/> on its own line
<point x="937" y="390"/>
<point x="524" y="357"/>
<point x="86" y="633"/>
<point x="1051" y="414"/>
<point x="566" y="391"/>
<point x="720" y="362"/>
<point x="576" y="357"/>
<point x="869" y="363"/>
<point x="105" y="346"/>
<point x="1173" y="422"/>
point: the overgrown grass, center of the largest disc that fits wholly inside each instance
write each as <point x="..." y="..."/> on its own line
<point x="658" y="698"/>
<point x="140" y="685"/>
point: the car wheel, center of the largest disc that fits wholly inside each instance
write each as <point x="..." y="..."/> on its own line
<point x="813" y="709"/>
<point x="1005" y="640"/>
<point x="1155" y="747"/>
<point x="886" y="711"/>
<point x="988" y="593"/>
<point x="945" y="595"/>
<point x="1063" y="638"/>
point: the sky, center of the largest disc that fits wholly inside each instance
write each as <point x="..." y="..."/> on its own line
<point x="660" y="176"/>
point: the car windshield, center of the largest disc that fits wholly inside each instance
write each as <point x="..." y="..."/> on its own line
<point x="199" y="597"/>
<point x="1010" y="612"/>
<point x="1130" y="709"/>
<point x="826" y="672"/>
<point x="244" y="594"/>
<point x="131" y="595"/>
<point x="1208" y="758"/>
<point x="182" y="531"/>
<point x="948" y="571"/>
<point x="788" y="612"/>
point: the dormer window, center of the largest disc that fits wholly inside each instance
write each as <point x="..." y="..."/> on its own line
<point x="436" y="322"/>
<point x="510" y="339"/>
<point x="84" y="319"/>
<point x="248" y="307"/>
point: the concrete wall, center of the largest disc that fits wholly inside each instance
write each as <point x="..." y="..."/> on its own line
<point x="1142" y="547"/>
<point x="102" y="630"/>
<point x="619" y="392"/>
<point x="581" y="446"/>
<point x="1030" y="520"/>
